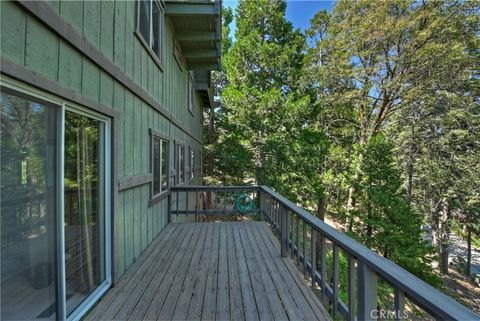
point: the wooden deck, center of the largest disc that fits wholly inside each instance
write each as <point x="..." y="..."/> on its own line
<point x="211" y="271"/>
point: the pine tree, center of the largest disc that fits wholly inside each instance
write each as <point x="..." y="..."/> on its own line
<point x="262" y="69"/>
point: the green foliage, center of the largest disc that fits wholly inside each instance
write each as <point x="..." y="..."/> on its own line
<point x="371" y="117"/>
<point x="384" y="221"/>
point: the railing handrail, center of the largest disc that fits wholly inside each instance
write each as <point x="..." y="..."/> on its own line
<point x="207" y="188"/>
<point x="420" y="292"/>
<point x="433" y="301"/>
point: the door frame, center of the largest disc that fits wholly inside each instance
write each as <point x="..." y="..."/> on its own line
<point x="109" y="141"/>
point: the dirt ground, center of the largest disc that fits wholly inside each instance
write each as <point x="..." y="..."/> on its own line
<point x="463" y="290"/>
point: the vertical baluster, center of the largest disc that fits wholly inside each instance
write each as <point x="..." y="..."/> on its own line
<point x="298" y="240"/>
<point x="196" y="205"/>
<point x="187" y="206"/>
<point x="323" y="268"/>
<point x="304" y="231"/>
<point x="335" y="279"/>
<point x="262" y="205"/>
<point x="267" y="207"/>
<point x="272" y="212"/>
<point x="314" y="258"/>
<point x="283" y="231"/>
<point x="277" y="216"/>
<point x="225" y="201"/>
<point x="399" y="304"/>
<point x="169" y="207"/>
<point x="304" y="248"/>
<point x="177" y="197"/>
<point x="289" y="236"/>
<point x="205" y="202"/>
<point x="275" y="223"/>
<point x="351" y="288"/>
<point x="214" y="199"/>
<point x="367" y="291"/>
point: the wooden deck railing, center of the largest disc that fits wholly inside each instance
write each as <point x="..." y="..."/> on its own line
<point x="310" y="240"/>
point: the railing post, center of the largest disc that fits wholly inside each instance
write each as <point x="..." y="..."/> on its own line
<point x="399" y="300"/>
<point x="283" y="231"/>
<point x="367" y="292"/>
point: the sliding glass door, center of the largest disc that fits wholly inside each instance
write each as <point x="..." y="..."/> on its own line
<point x="55" y="227"/>
<point x="28" y="147"/>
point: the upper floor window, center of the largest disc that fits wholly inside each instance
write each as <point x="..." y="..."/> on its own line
<point x="150" y="15"/>
<point x="159" y="165"/>
<point x="191" y="95"/>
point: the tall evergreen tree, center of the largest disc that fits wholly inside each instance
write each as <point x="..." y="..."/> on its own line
<point x="263" y="68"/>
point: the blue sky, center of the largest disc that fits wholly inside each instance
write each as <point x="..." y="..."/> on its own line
<point x="299" y="12"/>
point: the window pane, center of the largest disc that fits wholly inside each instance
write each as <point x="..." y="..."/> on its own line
<point x="191" y="95"/>
<point x="182" y="164"/>
<point x="27" y="147"/>
<point x="157" y="31"/>
<point x="144" y="19"/>
<point x="84" y="207"/>
<point x="192" y="163"/>
<point x="164" y="165"/>
<point x="156" y="166"/>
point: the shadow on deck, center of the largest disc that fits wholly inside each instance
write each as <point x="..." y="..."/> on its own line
<point x="211" y="271"/>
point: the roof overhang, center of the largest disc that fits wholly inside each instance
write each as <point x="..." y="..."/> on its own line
<point x="203" y="85"/>
<point x="197" y="27"/>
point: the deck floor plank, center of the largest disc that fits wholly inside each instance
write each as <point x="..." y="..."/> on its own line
<point x="267" y="298"/>
<point x="235" y="287"/>
<point x="180" y="310"/>
<point x="283" y="283"/>
<point x="196" y="303"/>
<point x="307" y="292"/>
<point x="223" y="306"/>
<point x="175" y="270"/>
<point x="182" y="277"/>
<point x="210" y="297"/>
<point x="145" y="301"/>
<point x="211" y="271"/>
<point x="136" y="279"/>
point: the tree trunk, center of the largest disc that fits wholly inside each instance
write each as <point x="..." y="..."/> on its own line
<point x="410" y="166"/>
<point x="445" y="236"/>
<point x="351" y="202"/>
<point x="261" y="169"/>
<point x="469" y="251"/>
<point x="211" y="140"/>
<point x="321" y="207"/>
<point x="436" y="224"/>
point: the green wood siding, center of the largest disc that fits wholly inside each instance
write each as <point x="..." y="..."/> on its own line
<point x="109" y="27"/>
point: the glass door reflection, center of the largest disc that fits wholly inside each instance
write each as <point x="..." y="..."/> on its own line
<point x="84" y="207"/>
<point x="28" y="149"/>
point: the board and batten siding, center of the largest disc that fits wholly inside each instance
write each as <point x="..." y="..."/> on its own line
<point x="109" y="27"/>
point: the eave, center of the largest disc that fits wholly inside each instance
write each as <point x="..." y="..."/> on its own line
<point x="197" y="29"/>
